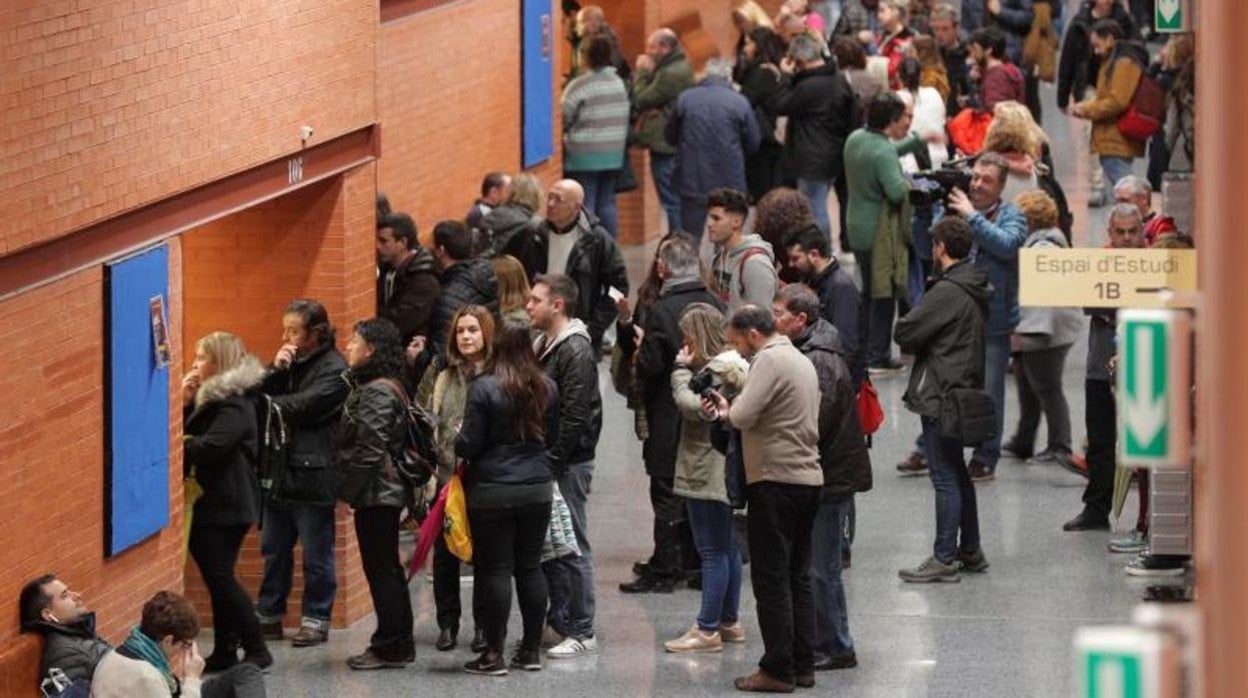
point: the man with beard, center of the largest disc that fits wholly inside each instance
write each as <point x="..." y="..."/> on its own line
<point x="810" y="254"/>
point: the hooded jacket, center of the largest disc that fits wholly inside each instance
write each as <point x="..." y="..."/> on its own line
<point x="822" y="111"/>
<point x="1078" y="66"/>
<point x="996" y="254"/>
<point x="842" y="448"/>
<point x="74" y="648"/>
<point x="745" y="274"/>
<point x="595" y="264"/>
<point x="506" y="228"/>
<point x="713" y="129"/>
<point x="413" y="296"/>
<point x="572" y="363"/>
<point x="1115" y="86"/>
<point x="374" y="428"/>
<point x="699" y="467"/>
<point x="655" y="358"/>
<point x="221" y="446"/>
<point x="654" y="98"/>
<point x="945" y="333"/>
<point x="309" y="394"/>
<point x="470" y="282"/>
<point x="1047" y="327"/>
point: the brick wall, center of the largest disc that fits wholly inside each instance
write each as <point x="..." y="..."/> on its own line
<point x="111" y="104"/>
<point x="52" y="467"/>
<point x="241" y="271"/>
<point x="448" y="98"/>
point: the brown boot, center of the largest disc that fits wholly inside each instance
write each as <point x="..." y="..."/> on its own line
<point x="762" y="682"/>
<point x="308" y="636"/>
<point x="272" y="631"/>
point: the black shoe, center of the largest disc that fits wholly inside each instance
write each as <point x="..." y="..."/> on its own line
<point x="369" y="660"/>
<point x="886" y="367"/>
<point x="478" y="641"/>
<point x="222" y="658"/>
<point x="847" y="557"/>
<point x="527" y="660"/>
<point x="488" y="664"/>
<point x="262" y="659"/>
<point x="649" y="584"/>
<point x="1013" y="449"/>
<point x="447" y="640"/>
<point x="641" y="569"/>
<point x="1087" y="522"/>
<point x="841" y="661"/>
<point x="272" y="631"/>
<point x="972" y="562"/>
<point x="802" y="680"/>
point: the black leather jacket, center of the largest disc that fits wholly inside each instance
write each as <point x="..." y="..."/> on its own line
<point x="309" y="394"/>
<point x="374" y="428"/>
<point x="573" y="364"/>
<point x="470" y="282"/>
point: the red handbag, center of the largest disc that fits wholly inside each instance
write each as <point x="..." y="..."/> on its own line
<point x="870" y="412"/>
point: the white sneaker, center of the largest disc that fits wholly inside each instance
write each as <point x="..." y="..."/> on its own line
<point x="572" y="647"/>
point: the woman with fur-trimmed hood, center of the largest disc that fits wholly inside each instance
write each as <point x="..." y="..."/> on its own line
<point x="219" y="451"/>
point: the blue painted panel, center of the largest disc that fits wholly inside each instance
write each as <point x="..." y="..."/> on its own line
<point x="538" y="48"/>
<point x="137" y="449"/>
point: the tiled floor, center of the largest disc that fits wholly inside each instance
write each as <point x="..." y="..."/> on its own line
<point x="1007" y="632"/>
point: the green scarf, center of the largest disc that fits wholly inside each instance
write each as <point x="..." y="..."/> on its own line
<point x="139" y="646"/>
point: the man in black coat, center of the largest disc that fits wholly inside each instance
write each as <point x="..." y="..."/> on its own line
<point x="680" y="269"/>
<point x="810" y="254"/>
<point x="407" y="282"/>
<point x="846" y="466"/>
<point x="573" y="243"/>
<point x="466" y="280"/>
<point x="307" y="390"/>
<point x="822" y="111"/>
<point x="951" y="40"/>
<point x="568" y="357"/>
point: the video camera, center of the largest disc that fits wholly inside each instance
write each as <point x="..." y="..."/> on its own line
<point x="705" y="382"/>
<point x="934" y="186"/>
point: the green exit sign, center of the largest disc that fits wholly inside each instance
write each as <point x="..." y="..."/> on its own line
<point x="1154" y="387"/>
<point x="1126" y="661"/>
<point x="1171" y="16"/>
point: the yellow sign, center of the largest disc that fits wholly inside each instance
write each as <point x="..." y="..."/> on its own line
<point x="1107" y="278"/>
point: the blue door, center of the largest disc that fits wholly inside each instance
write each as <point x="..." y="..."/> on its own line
<point x="537" y="99"/>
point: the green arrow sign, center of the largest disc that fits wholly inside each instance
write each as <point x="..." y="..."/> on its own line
<point x="1145" y="394"/>
<point x="1113" y="675"/>
<point x="1170" y="16"/>
<point x="1154" y="388"/>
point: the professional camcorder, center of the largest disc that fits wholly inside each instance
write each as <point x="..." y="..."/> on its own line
<point x="705" y="382"/>
<point x="933" y="186"/>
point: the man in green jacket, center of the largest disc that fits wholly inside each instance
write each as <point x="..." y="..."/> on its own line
<point x="875" y="214"/>
<point x="662" y="74"/>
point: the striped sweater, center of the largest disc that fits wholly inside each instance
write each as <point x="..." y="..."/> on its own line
<point x="595" y="122"/>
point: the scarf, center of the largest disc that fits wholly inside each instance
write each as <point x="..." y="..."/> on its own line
<point x="139" y="646"/>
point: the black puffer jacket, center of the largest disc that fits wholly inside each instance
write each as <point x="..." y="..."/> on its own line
<point x="413" y="297"/>
<point x="309" y="394"/>
<point x="945" y="333"/>
<point x="822" y="111"/>
<point x="470" y="282"/>
<point x="374" y="428"/>
<point x="655" y="359"/>
<point x="221" y="446"/>
<point x="595" y="264"/>
<point x="572" y="363"/>
<point x="508" y="227"/>
<point x="495" y="450"/>
<point x="1078" y="66"/>
<point x="842" y="447"/>
<point x="73" y="648"/>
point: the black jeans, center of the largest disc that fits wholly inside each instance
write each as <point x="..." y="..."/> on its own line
<point x="782" y="518"/>
<point x="1039" y="378"/>
<point x="215" y="550"/>
<point x="446" y="590"/>
<point x="669" y="521"/>
<point x="377" y="530"/>
<point x="1102" y="428"/>
<point x="243" y="680"/>
<point x="875" y="318"/>
<point x="508" y="544"/>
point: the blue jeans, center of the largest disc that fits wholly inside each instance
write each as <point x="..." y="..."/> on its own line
<point x="817" y="191"/>
<point x="663" y="172"/>
<point x="956" y="509"/>
<point x="599" y="195"/>
<point x="314" y="527"/>
<point x="996" y="362"/>
<point x="1115" y="168"/>
<point x="711" y="522"/>
<point x="831" y="612"/>
<point x="571" y="579"/>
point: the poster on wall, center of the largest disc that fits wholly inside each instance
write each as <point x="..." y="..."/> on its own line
<point x="160" y="330"/>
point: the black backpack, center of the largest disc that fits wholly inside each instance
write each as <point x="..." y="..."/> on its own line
<point x="273" y="450"/>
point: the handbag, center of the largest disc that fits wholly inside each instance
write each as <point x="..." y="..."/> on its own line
<point x="560" y="534"/>
<point x="455" y="530"/>
<point x="968" y="415"/>
<point x="870" y="412"/>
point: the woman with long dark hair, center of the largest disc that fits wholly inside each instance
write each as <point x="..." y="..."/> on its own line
<point x="374" y="428"/>
<point x="509" y="419"/>
<point x="759" y="78"/>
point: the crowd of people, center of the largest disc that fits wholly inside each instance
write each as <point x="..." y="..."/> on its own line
<point x="746" y="372"/>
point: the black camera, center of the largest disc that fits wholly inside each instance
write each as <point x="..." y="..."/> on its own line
<point x="933" y="186"/>
<point x="703" y="383"/>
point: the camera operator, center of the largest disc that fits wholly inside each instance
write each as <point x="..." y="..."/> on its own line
<point x="998" y="230"/>
<point x="778" y="415"/>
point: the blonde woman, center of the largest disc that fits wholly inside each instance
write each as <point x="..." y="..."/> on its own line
<point x="748" y="16"/>
<point x="513" y="288"/>
<point x="700" y="479"/>
<point x="219" y="446"/>
<point x="1017" y="137"/>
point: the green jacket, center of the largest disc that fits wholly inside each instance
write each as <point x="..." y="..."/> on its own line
<point x="873" y="177"/>
<point x="654" y="96"/>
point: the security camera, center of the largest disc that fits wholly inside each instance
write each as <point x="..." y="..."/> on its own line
<point x="305" y="133"/>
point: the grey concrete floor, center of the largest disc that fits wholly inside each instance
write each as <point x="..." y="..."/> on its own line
<point x="1007" y="632"/>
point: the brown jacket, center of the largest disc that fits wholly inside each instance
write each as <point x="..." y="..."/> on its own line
<point x="778" y="415"/>
<point x="1114" y="90"/>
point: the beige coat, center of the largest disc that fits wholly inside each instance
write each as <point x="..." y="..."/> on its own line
<point x="121" y="677"/>
<point x="778" y="415"/>
<point x="699" y="467"/>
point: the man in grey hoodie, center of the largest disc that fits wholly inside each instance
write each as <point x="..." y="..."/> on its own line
<point x="567" y="355"/>
<point x="744" y="268"/>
